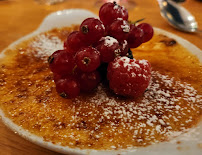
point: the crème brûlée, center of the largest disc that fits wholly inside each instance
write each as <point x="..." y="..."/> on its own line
<point x="100" y="119"/>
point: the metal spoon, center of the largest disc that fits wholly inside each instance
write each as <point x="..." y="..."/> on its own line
<point x="178" y="16"/>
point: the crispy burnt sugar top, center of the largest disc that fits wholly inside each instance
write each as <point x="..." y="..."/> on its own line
<point x="171" y="105"/>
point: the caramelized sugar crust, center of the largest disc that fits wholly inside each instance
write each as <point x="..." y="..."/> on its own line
<point x="101" y="120"/>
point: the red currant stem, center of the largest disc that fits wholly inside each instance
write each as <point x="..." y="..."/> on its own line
<point x="137" y="21"/>
<point x="50" y="59"/>
<point x="86" y="60"/>
<point x="74" y="69"/>
<point x="63" y="94"/>
<point x="84" y="29"/>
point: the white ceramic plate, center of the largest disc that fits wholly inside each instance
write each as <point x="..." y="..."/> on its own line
<point x="190" y="140"/>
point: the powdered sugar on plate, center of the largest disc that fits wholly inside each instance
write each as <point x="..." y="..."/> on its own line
<point x="44" y="45"/>
<point x="166" y="108"/>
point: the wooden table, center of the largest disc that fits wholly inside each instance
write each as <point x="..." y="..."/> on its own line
<point x="20" y="17"/>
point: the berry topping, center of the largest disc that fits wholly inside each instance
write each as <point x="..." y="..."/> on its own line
<point x="89" y="81"/>
<point x="61" y="62"/>
<point x="148" y="31"/>
<point x="92" y="29"/>
<point x="119" y="29"/>
<point x="111" y="11"/>
<point x="88" y="59"/>
<point x="101" y="50"/>
<point x="68" y="87"/>
<point x="74" y="42"/>
<point x="57" y="77"/>
<point x="109" y="48"/>
<point x="135" y="36"/>
<point x="129" y="77"/>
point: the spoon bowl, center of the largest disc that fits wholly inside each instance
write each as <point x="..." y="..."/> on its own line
<point x="178" y="16"/>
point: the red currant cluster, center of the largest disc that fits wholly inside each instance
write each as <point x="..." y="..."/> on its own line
<point x="77" y="67"/>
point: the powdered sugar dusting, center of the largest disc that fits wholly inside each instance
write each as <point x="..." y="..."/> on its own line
<point x="126" y="63"/>
<point x="44" y="45"/>
<point x="125" y="26"/>
<point x="100" y="27"/>
<point x="165" y="109"/>
<point x="109" y="41"/>
<point x="103" y="26"/>
<point x="125" y="43"/>
<point x="143" y="62"/>
<point x="119" y="18"/>
<point x="116" y="7"/>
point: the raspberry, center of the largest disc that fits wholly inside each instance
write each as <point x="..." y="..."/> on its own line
<point x="68" y="87"/>
<point x="88" y="59"/>
<point x="129" y="77"/>
<point x="92" y="30"/>
<point x="61" y="62"/>
<point x="109" y="48"/>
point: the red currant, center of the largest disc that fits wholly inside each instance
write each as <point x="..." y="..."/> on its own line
<point x="111" y="11"/>
<point x="56" y="77"/>
<point x="74" y="42"/>
<point x="148" y="31"/>
<point x="119" y="29"/>
<point x="109" y="49"/>
<point x="89" y="81"/>
<point x="135" y="36"/>
<point x="68" y="87"/>
<point x="92" y="30"/>
<point x="61" y="62"/>
<point x="88" y="59"/>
